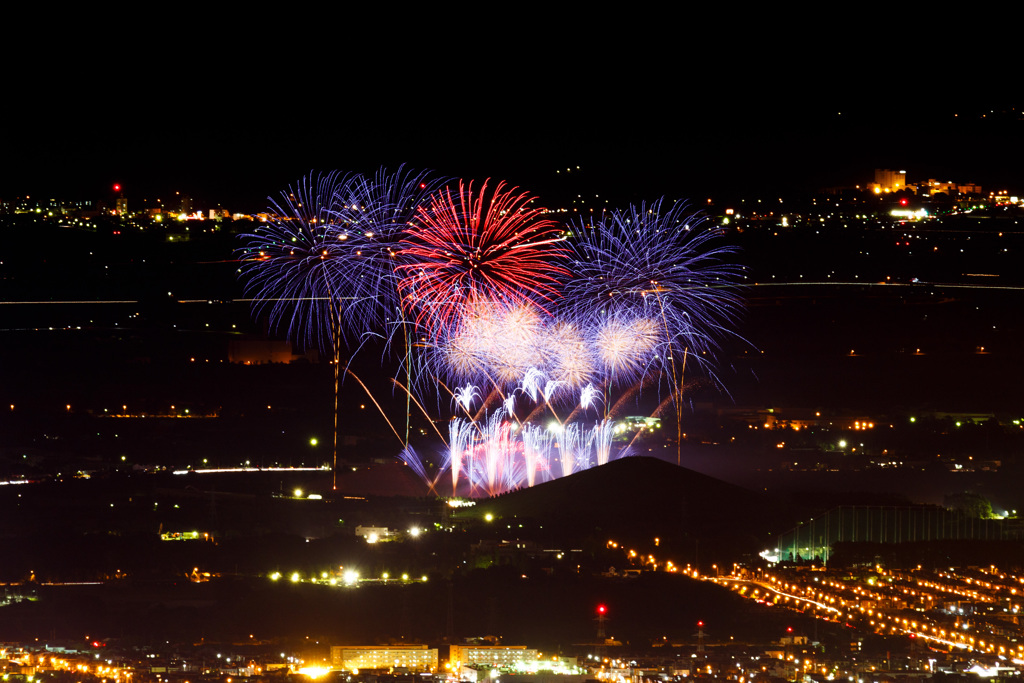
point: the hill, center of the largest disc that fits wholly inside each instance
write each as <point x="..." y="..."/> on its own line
<point x="639" y="498"/>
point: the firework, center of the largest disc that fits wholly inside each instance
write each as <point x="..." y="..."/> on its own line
<point x="658" y="289"/>
<point x="291" y="263"/>
<point x="371" y="214"/>
<point x="568" y="355"/>
<point x="489" y="344"/>
<point x="531" y="383"/>
<point x="589" y="396"/>
<point x="464" y="397"/>
<point x="537" y="444"/>
<point x="323" y="265"/>
<point x="491" y="299"/>
<point x="602" y="440"/>
<point x="656" y="270"/>
<point x="472" y="246"/>
<point x="494" y="454"/>
<point x="625" y="346"/>
<point x="411" y="458"/>
<point x="461" y="439"/>
<point x="573" y="449"/>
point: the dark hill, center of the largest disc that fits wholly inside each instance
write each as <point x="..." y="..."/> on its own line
<point x="643" y="497"/>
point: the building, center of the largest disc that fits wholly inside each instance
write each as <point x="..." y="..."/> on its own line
<point x="391" y="657"/>
<point x="373" y="534"/>
<point x="260" y="351"/>
<point x="495" y="656"/>
<point x="888" y="181"/>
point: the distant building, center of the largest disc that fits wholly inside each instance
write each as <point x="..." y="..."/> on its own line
<point x="185" y="536"/>
<point x="260" y="351"/>
<point x="373" y="534"/>
<point x="894" y="181"/>
<point x="888" y="181"/>
<point x="641" y="422"/>
<point x="932" y="186"/>
<point x="490" y="655"/>
<point x="401" y="657"/>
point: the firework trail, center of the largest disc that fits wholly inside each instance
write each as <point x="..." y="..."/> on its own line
<point x="572" y="449"/>
<point x="464" y="397"/>
<point x="461" y="441"/>
<point x="536" y="450"/>
<point x="531" y="383"/>
<point x="602" y="439"/>
<point x="550" y="387"/>
<point x="409" y="456"/>
<point x="497" y="451"/>
<point x="589" y="396"/>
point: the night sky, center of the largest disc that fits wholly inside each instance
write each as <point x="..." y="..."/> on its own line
<point x="230" y="112"/>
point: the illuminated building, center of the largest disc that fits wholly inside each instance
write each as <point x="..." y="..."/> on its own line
<point x="888" y="181"/>
<point x="185" y="536"/>
<point x="894" y="181"/>
<point x="405" y="657"/>
<point x="491" y="655"/>
<point x="634" y="422"/>
<point x="373" y="534"/>
<point x="932" y="186"/>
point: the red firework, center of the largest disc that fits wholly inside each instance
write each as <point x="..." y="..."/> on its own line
<point x="459" y="251"/>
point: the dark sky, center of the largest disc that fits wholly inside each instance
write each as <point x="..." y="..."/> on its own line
<point x="234" y="114"/>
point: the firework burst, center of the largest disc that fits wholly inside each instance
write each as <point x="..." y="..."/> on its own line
<point x="468" y="247"/>
<point x="323" y="265"/>
<point x="492" y="300"/>
<point x="656" y="270"/>
<point x="291" y="263"/>
<point x="371" y="214"/>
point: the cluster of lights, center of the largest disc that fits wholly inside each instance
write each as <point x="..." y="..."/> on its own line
<point x="867" y="603"/>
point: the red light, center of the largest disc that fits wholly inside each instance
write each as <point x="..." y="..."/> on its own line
<point x="601" y="609"/>
<point x="903" y="202"/>
<point x="789" y="629"/>
<point x="700" y="623"/>
<point x="117" y="187"/>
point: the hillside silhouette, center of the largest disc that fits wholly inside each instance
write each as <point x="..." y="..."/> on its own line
<point x="641" y="497"/>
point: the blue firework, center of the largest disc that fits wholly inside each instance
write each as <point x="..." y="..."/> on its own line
<point x="658" y="270"/>
<point x="291" y="264"/>
<point x="323" y="265"/>
<point x="372" y="214"/>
